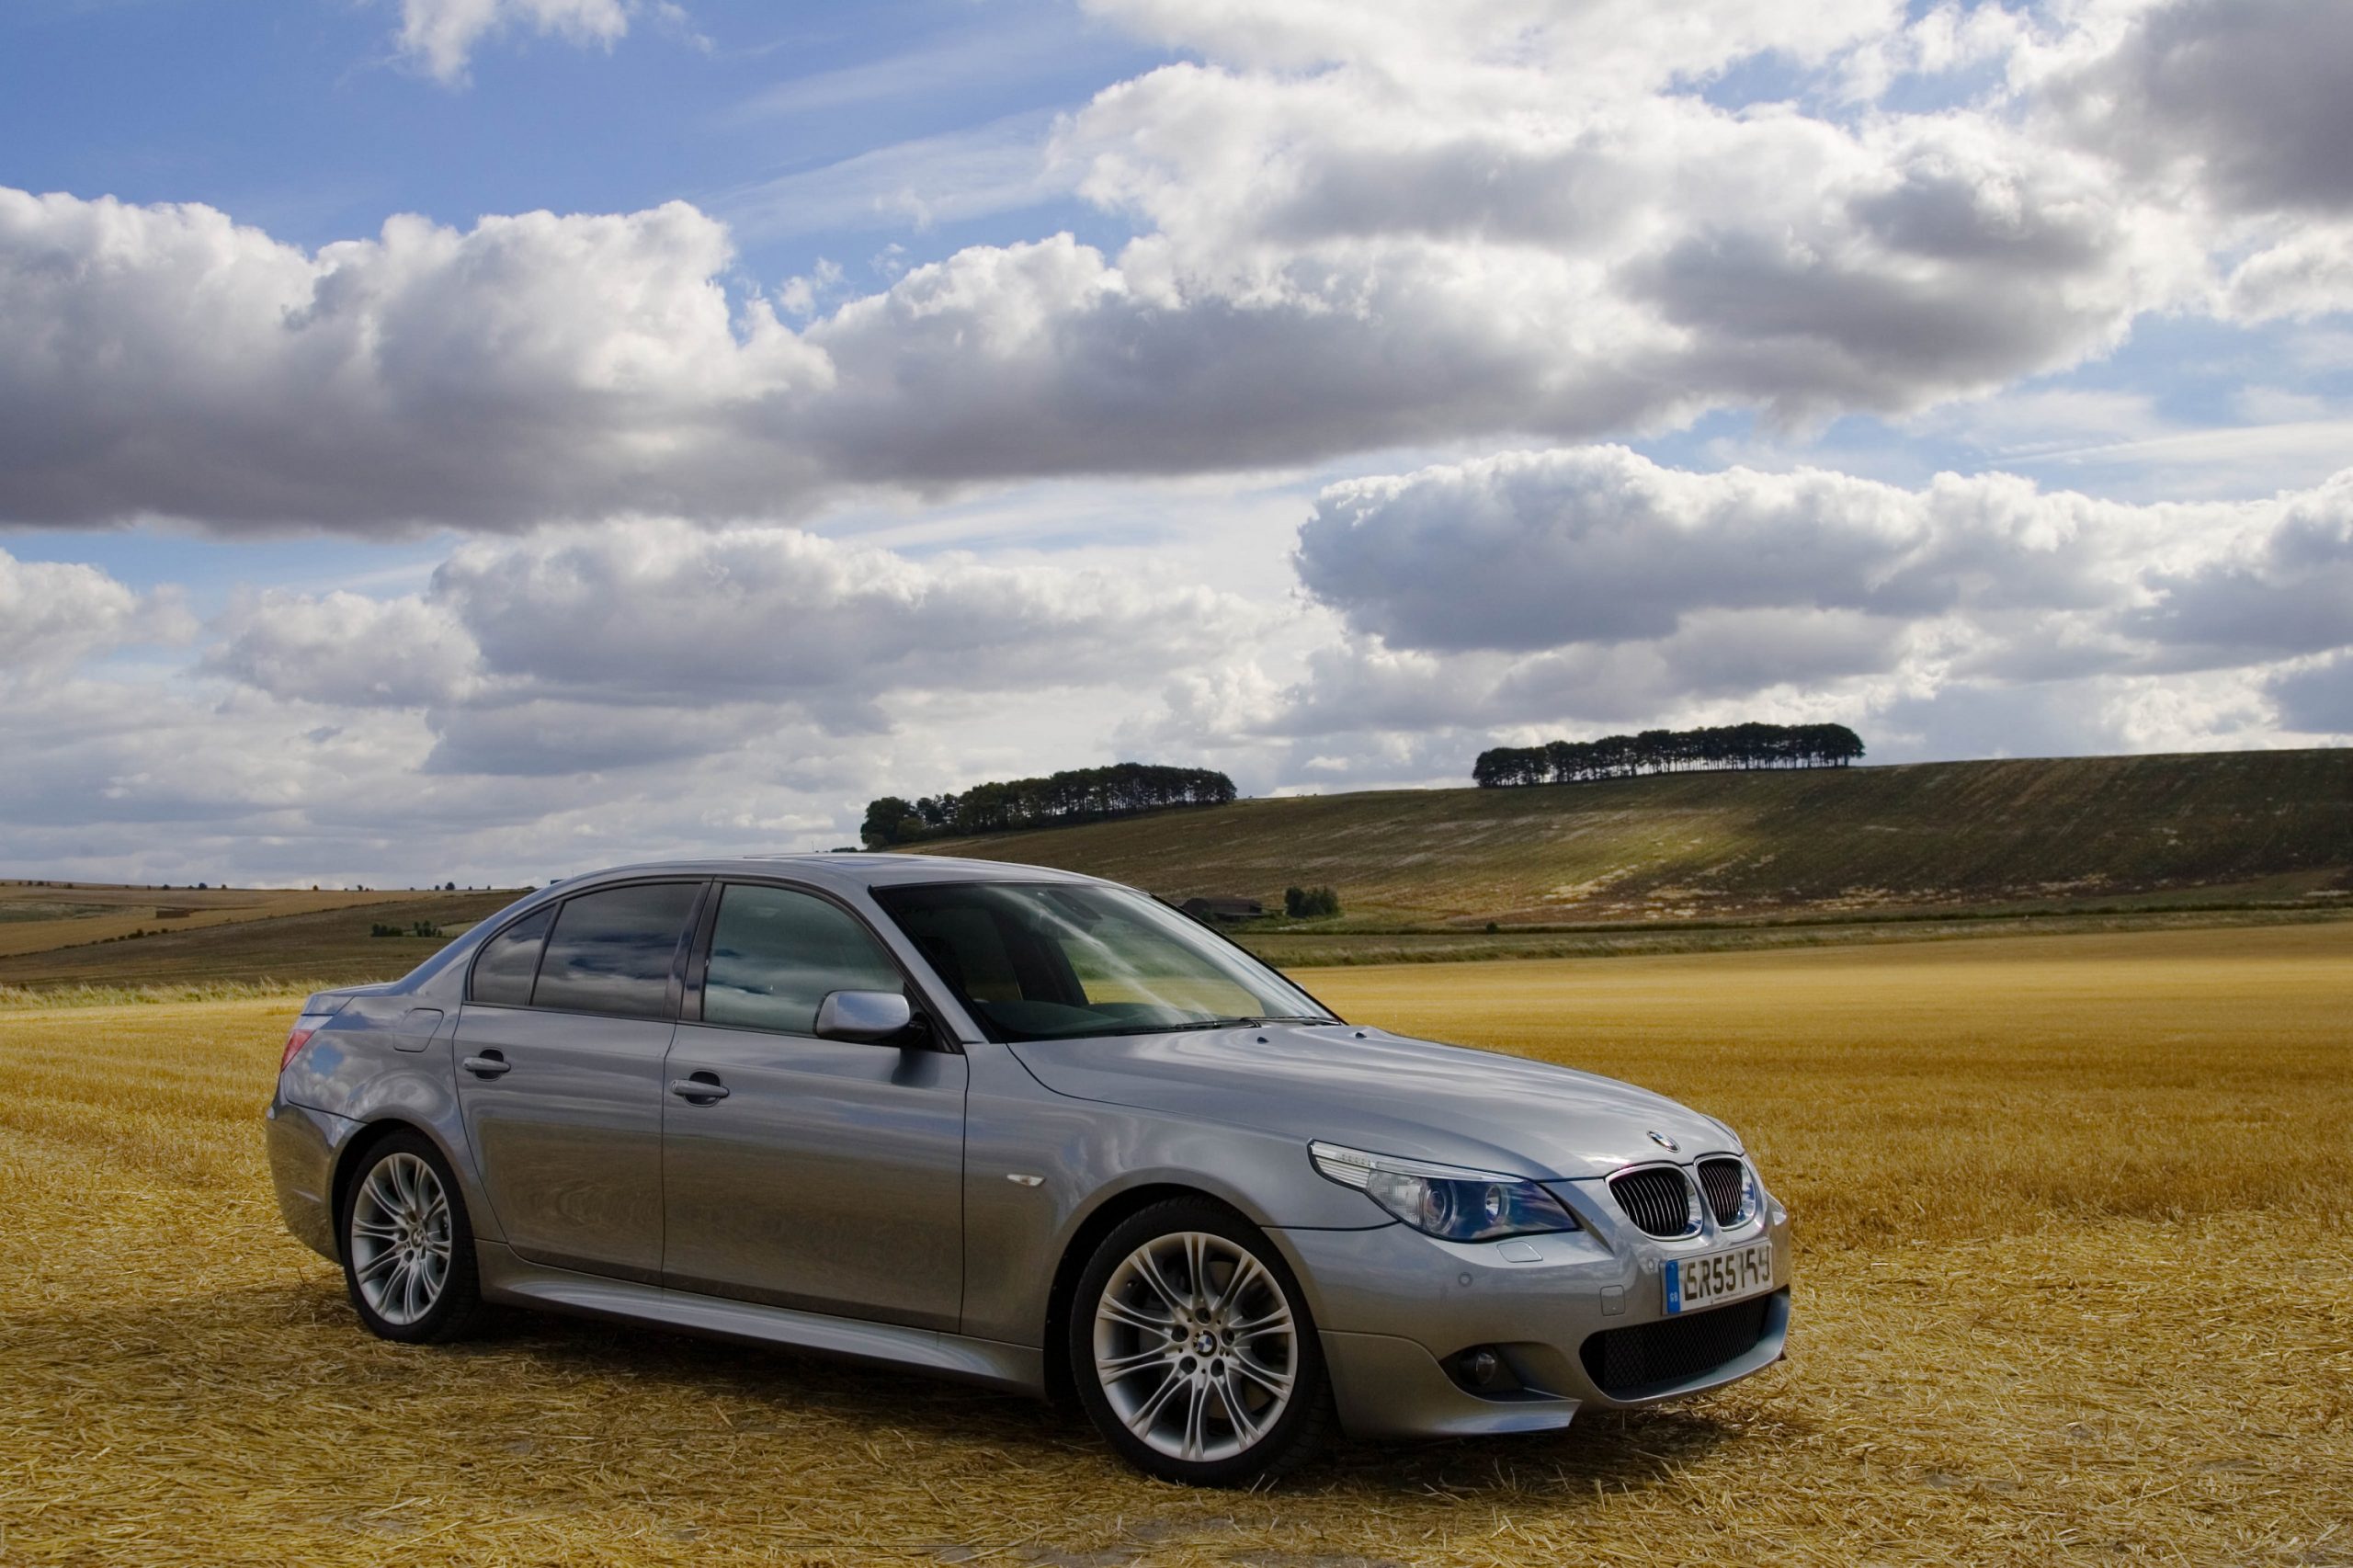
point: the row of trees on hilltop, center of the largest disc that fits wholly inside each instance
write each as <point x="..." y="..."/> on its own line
<point x="1078" y="794"/>
<point x="1670" y="751"/>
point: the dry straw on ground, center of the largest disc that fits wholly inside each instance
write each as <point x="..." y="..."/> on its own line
<point x="2077" y="1283"/>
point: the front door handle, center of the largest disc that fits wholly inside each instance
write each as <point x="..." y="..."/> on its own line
<point x="701" y="1088"/>
<point x="489" y="1065"/>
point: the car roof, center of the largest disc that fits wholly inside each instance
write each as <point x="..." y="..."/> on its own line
<point x="840" y="870"/>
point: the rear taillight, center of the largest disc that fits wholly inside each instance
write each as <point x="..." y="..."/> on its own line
<point x="300" y="1036"/>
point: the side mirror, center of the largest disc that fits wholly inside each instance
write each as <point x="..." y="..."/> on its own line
<point x="868" y="1017"/>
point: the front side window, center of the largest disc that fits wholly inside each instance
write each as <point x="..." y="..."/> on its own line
<point x="611" y="951"/>
<point x="1043" y="960"/>
<point x="775" y="955"/>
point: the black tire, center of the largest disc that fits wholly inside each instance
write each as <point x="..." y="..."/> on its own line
<point x="455" y="1309"/>
<point x="1295" y="1431"/>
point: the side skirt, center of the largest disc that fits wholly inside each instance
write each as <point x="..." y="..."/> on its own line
<point x="516" y="1282"/>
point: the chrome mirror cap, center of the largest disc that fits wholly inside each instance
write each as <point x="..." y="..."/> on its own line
<point x="865" y="1017"/>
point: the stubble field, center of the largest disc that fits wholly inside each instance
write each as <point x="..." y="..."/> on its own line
<point x="2076" y="1281"/>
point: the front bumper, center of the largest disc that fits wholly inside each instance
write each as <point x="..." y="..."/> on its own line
<point x="1394" y="1306"/>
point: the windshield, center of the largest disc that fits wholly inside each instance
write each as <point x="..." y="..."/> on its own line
<point x="1046" y="960"/>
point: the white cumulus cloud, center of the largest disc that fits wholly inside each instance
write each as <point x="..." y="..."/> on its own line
<point x="53" y="615"/>
<point x="440" y="36"/>
<point x="630" y="642"/>
<point x="1593" y="585"/>
<point x="1355" y="228"/>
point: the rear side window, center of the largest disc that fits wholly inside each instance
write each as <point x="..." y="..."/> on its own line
<point x="775" y="953"/>
<point x="504" y="969"/>
<point x="611" y="951"/>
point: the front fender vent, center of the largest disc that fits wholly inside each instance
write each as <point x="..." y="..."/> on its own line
<point x="1658" y="1199"/>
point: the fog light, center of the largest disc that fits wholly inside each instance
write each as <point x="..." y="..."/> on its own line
<point x="1483" y="1369"/>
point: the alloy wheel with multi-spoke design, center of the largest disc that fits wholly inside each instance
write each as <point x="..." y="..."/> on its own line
<point x="401" y="1239"/>
<point x="1196" y="1347"/>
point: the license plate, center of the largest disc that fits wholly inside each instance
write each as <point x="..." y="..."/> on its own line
<point x="1718" y="1277"/>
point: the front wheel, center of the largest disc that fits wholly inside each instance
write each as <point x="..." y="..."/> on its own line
<point x="1192" y="1350"/>
<point x="408" y="1250"/>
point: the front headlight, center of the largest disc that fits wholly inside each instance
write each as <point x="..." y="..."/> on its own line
<point x="1447" y="1201"/>
<point x="1752" y="1194"/>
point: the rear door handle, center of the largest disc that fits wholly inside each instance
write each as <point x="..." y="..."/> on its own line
<point x="702" y="1088"/>
<point x="489" y="1065"/>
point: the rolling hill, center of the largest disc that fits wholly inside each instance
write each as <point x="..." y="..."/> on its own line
<point x="1645" y="865"/>
<point x="81" y="933"/>
<point x="1924" y="838"/>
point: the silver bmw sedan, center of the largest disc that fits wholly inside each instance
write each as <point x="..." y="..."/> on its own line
<point x="1022" y="1126"/>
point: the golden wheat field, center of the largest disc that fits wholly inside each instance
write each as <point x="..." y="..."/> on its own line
<point x="2075" y="1282"/>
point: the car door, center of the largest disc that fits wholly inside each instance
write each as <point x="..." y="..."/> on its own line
<point x="560" y="1046"/>
<point x="815" y="1173"/>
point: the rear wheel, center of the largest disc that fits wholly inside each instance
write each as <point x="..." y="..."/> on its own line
<point x="408" y="1250"/>
<point x="1192" y="1351"/>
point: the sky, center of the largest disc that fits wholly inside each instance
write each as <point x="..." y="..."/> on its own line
<point x="485" y="440"/>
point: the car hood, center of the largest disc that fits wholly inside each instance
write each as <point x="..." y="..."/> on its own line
<point x="1384" y="1093"/>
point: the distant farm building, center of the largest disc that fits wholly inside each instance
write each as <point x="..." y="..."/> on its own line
<point x="1221" y="908"/>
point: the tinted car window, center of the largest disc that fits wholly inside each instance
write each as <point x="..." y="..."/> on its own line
<point x="504" y="969"/>
<point x="611" y="951"/>
<point x="1057" y="960"/>
<point x="966" y="946"/>
<point x="775" y="953"/>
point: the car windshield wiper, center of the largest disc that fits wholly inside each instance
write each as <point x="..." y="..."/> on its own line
<point x="1254" y="1022"/>
<point x="1190" y="1024"/>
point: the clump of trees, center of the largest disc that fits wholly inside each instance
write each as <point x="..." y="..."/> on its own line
<point x="1074" y="795"/>
<point x="417" y="928"/>
<point x="1716" y="748"/>
<point x="1306" y="904"/>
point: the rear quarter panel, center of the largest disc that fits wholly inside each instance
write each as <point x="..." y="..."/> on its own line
<point x="389" y="1058"/>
